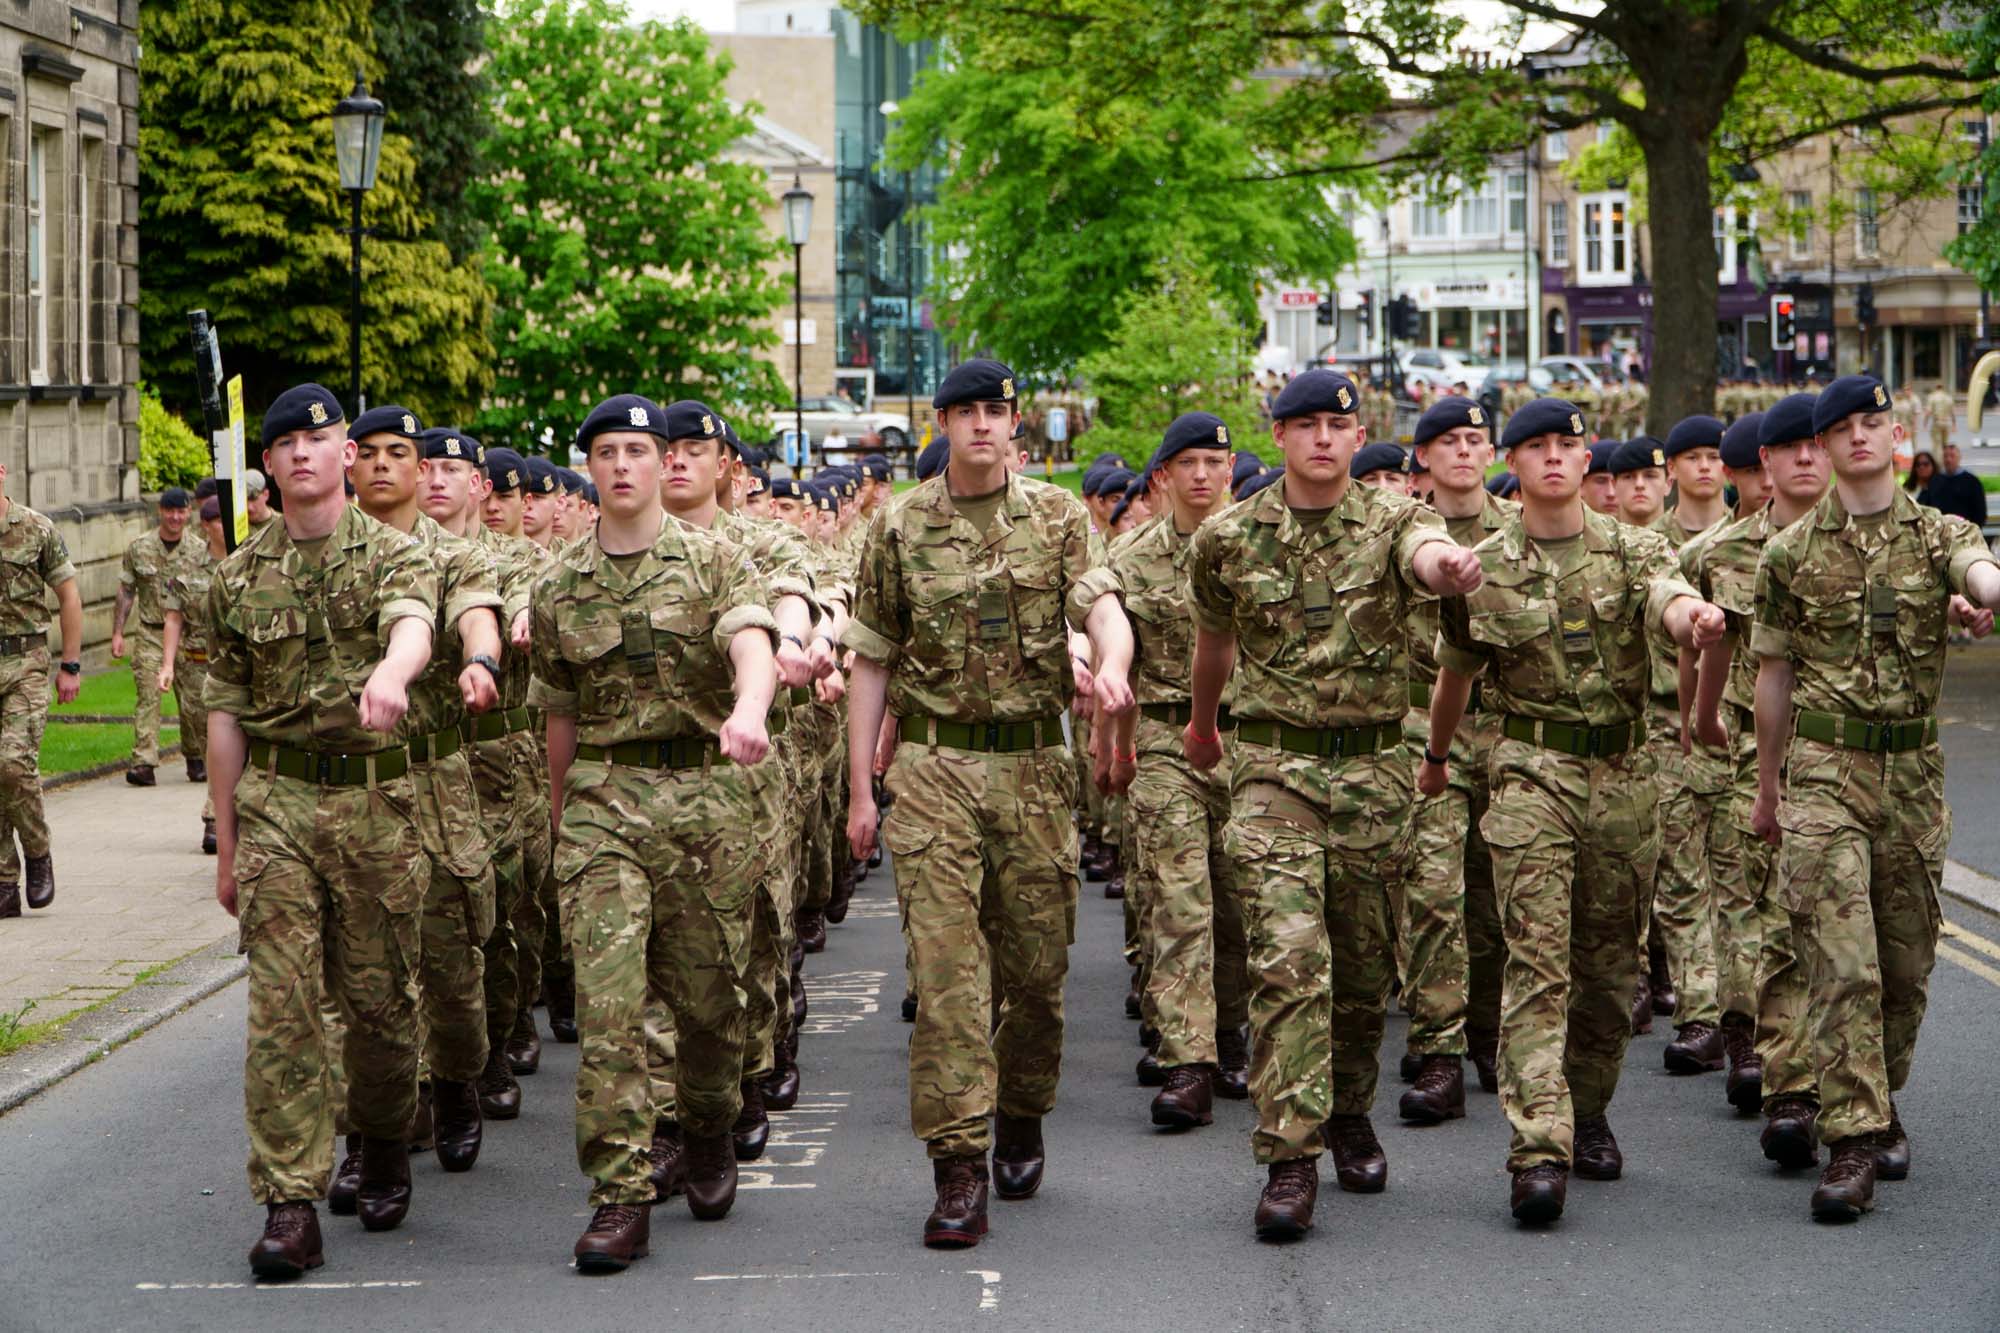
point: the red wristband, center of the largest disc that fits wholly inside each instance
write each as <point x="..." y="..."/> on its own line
<point x="1194" y="735"/>
<point x="1131" y="758"/>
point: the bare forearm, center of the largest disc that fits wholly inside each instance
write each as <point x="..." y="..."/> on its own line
<point x="121" y="609"/>
<point x="560" y="732"/>
<point x="1214" y="660"/>
<point x="867" y="702"/>
<point x="170" y="637"/>
<point x="69" y="613"/>
<point x="794" y="616"/>
<point x="1449" y="696"/>
<point x="227" y="749"/>
<point x="1110" y="636"/>
<point x="755" y="679"/>
<point x="478" y="635"/>
<point x="1774" y="721"/>
<point x="408" y="653"/>
<point x="1711" y="674"/>
<point x="1982" y="585"/>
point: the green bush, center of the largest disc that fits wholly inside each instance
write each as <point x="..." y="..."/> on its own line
<point x="170" y="453"/>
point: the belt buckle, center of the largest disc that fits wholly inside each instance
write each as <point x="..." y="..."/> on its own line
<point x="322" y="767"/>
<point x="1872" y="739"/>
<point x="1593" y="743"/>
<point x="1333" y="744"/>
<point x="993" y="736"/>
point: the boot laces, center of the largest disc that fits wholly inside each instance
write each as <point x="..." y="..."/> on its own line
<point x="613" y="1217"/>
<point x="1291" y="1181"/>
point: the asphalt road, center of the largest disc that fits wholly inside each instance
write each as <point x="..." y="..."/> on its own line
<point x="122" y="1202"/>
<point x="1969" y="731"/>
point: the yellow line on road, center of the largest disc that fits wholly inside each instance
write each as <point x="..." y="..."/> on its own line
<point x="1972" y="941"/>
<point x="1970" y="964"/>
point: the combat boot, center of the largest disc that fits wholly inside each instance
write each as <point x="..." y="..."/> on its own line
<point x="208" y="837"/>
<point x="346" y="1182"/>
<point x="1409" y="1066"/>
<point x="383" y="1199"/>
<point x="711" y="1175"/>
<point x="1151" y="1073"/>
<point x="1134" y="1003"/>
<point x="1745" y="1085"/>
<point x="290" y="1244"/>
<point x="423" y="1122"/>
<point x="1665" y="1001"/>
<point x="1232" y="1075"/>
<point x="1438" y="1093"/>
<point x="1892" y="1148"/>
<point x="1114" y="888"/>
<point x="197" y="770"/>
<point x="524" y="1048"/>
<point x="1088" y="847"/>
<point x="667" y="1160"/>
<point x="799" y="1007"/>
<point x="1642" y="1006"/>
<point x="561" y="1000"/>
<point x="1847" y="1185"/>
<point x="10" y="900"/>
<point x="1539" y="1193"/>
<point x="1483" y="1049"/>
<point x="1358" y="1161"/>
<point x="618" y="1233"/>
<point x="140" y="775"/>
<point x="499" y="1092"/>
<point x="1098" y="868"/>
<point x="1187" y="1100"/>
<point x="1596" y="1155"/>
<point x="909" y="1008"/>
<point x="1018" y="1156"/>
<point x="459" y="1130"/>
<point x="1790" y="1132"/>
<point x="1285" y="1208"/>
<point x="781" y="1085"/>
<point x="1695" y="1049"/>
<point x="753" y="1127"/>
<point x="843" y="891"/>
<point x="811" y="925"/>
<point x="959" y="1218"/>
<point x="39" y="872"/>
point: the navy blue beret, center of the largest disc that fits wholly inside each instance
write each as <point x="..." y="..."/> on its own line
<point x="301" y="407"/>
<point x="787" y="488"/>
<point x="1245" y="467"/>
<point x="932" y="460"/>
<point x="980" y="380"/>
<point x="1739" y="442"/>
<point x="625" y="411"/>
<point x="1106" y="482"/>
<point x="1543" y="416"/>
<point x="1787" y="421"/>
<point x="447" y="442"/>
<point x="1191" y="430"/>
<point x="1105" y="460"/>
<point x="1638" y="454"/>
<point x="732" y="439"/>
<point x="1448" y="414"/>
<point x="1695" y="432"/>
<point x="173" y="498"/>
<point x="387" y="420"/>
<point x="542" y="476"/>
<point x="506" y="470"/>
<point x="1377" y="458"/>
<point x="1846" y="396"/>
<point x="1504" y="485"/>
<point x="1601" y="454"/>
<point x="1259" y="482"/>
<point x="589" y="491"/>
<point x="876" y="468"/>
<point x="691" y="419"/>
<point x="571" y="481"/>
<point x="1316" y="390"/>
<point x="760" y="481"/>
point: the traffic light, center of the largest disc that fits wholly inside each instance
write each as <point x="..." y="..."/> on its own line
<point x="1323" y="313"/>
<point x="1365" y="312"/>
<point x="1405" y="322"/>
<point x="1784" y="329"/>
<point x="1864" y="305"/>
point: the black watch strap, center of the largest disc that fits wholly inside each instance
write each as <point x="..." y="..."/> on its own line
<point x="1439" y="759"/>
<point x="73" y="668"/>
<point x="492" y="667"/>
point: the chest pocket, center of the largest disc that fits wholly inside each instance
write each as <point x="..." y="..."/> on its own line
<point x="684" y="650"/>
<point x="1523" y="646"/>
<point x="1365" y="595"/>
<point x="939" y="611"/>
<point x="1831" y="617"/>
<point x="21" y="569"/>
<point x="1620" y="614"/>
<point x="594" y="651"/>
<point x="1916" y="603"/>
<point x="1271" y="615"/>
<point x="1038" y="611"/>
<point x="276" y="635"/>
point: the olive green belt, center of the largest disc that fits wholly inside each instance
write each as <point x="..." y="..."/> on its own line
<point x="14" y="645"/>
<point x="1325" y="742"/>
<point x="330" y="770"/>
<point x="1420" y="697"/>
<point x="438" y="745"/>
<point x="1858" y="733"/>
<point x="799" y="695"/>
<point x="1569" y="738"/>
<point x="1179" y="715"/>
<point x="492" y="726"/>
<point x="985" y="737"/>
<point x="686" y="752"/>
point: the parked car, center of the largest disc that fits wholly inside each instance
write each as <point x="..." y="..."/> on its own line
<point x="1442" y="367"/>
<point x="1582" y="369"/>
<point x="891" y="430"/>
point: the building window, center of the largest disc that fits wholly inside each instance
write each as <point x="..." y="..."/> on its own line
<point x="86" y="261"/>
<point x="1867" y="226"/>
<point x="1718" y="230"/>
<point x="1798" y="241"/>
<point x="1517" y="202"/>
<point x="1479" y="210"/>
<point x="41" y="147"/>
<point x="1971" y="207"/>
<point x="1558" y="216"/>
<point x="1429" y="220"/>
<point x="1556" y="146"/>
<point x="1607" y="253"/>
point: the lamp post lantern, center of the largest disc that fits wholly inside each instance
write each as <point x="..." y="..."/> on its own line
<point x="357" y="148"/>
<point x="889" y="110"/>
<point x="798" y="202"/>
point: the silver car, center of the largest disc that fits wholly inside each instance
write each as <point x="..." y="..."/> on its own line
<point x="886" y="430"/>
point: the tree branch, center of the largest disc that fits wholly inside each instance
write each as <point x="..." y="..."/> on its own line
<point x="1339" y="168"/>
<point x="1596" y="23"/>
<point x="1814" y="54"/>
<point x="1873" y="116"/>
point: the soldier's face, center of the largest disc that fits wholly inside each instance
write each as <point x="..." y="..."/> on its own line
<point x="1318" y="448"/>
<point x="501" y="511"/>
<point x="1385" y="479"/>
<point x="173" y="522"/>
<point x="1799" y="471"/>
<point x="1458" y="459"/>
<point x="1550" y="466"/>
<point x="450" y="485"/>
<point x="689" y="471"/>
<point x="386" y="471"/>
<point x="258" y="506"/>
<point x="211" y="529"/>
<point x="538" y="513"/>
<point x="791" y="511"/>
<point x="1197" y="480"/>
<point x="308" y="465"/>
<point x="981" y="434"/>
<point x="1698" y="472"/>
<point x="627" y="467"/>
<point x="1600" y="494"/>
<point x="1641" y="494"/>
<point x="1752" y="487"/>
<point x="758" y="505"/>
<point x="1862" y="444"/>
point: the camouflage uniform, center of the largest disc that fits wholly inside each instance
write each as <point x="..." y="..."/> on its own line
<point x="539" y="941"/>
<point x="1857" y="606"/>
<point x="1572" y="824"/>
<point x="1319" y="615"/>
<point x="33" y="559"/>
<point x="1193" y="919"/>
<point x="147" y="565"/>
<point x="186" y="590"/>
<point x="330" y="866"/>
<point x="1942" y="408"/>
<point x="656" y="859"/>
<point x="971" y="631"/>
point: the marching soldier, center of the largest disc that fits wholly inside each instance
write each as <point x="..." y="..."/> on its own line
<point x="185" y="644"/>
<point x="149" y="562"/>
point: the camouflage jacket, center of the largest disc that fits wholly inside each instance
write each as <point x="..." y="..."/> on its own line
<point x="145" y="570"/>
<point x="781" y="556"/>
<point x="1722" y="565"/>
<point x="970" y="626"/>
<point x="1858" y="606"/>
<point x="644" y="655"/>
<point x="468" y="579"/>
<point x="186" y="590"/>
<point x="1564" y="628"/>
<point x="292" y="643"/>
<point x="1147" y="570"/>
<point x="1424" y="615"/>
<point x="1320" y="618"/>
<point x="35" y="559"/>
<point x="518" y="563"/>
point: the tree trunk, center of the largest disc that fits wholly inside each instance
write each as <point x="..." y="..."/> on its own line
<point x="1682" y="267"/>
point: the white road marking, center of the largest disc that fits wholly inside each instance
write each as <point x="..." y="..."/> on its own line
<point x="989" y="1280"/>
<point x="273" y="1286"/>
<point x="989" y="1287"/>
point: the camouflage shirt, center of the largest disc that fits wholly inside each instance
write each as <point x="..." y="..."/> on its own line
<point x="1564" y="624"/>
<point x="644" y="654"/>
<point x="35" y="559"/>
<point x="1320" y="617"/>
<point x="293" y="642"/>
<point x="1722" y="564"/>
<point x="186" y="591"/>
<point x="776" y="549"/>
<point x="467" y="579"/>
<point x="1148" y="572"/>
<point x="970" y="626"/>
<point x="1467" y="532"/>
<point x="1665" y="683"/>
<point x="1857" y="606"/>
<point x="518" y="564"/>
<point x="147" y="565"/>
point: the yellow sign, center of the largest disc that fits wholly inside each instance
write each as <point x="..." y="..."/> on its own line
<point x="233" y="467"/>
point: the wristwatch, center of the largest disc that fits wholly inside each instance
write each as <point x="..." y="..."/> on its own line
<point x="73" y="668"/>
<point x="794" y="639"/>
<point x="492" y="667"/>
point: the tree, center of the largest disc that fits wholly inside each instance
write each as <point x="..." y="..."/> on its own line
<point x="1173" y="347"/>
<point x="240" y="205"/>
<point x="1977" y="250"/>
<point x="626" y="253"/>
<point x="434" y="82"/>
<point x="1699" y="85"/>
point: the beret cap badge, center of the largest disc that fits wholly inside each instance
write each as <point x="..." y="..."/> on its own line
<point x="1881" y="398"/>
<point x="409" y="424"/>
<point x="1345" y="398"/>
<point x="1222" y="435"/>
<point x="1576" y="423"/>
<point x="1007" y="388"/>
<point x="316" y="413"/>
<point x="636" y="415"/>
<point x="1659" y="458"/>
<point x="1473" y="415"/>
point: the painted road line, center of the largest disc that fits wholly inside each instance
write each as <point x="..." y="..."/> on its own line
<point x="1972" y="939"/>
<point x="1969" y="963"/>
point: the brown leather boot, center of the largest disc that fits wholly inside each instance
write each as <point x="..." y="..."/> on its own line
<point x="810" y="923"/>
<point x="423" y="1121"/>
<point x="1285" y="1208"/>
<point x="1664" y="999"/>
<point x="1695" y="1049"/>
<point x="39" y="873"/>
<point x="346" y="1182"/>
<point x="1790" y="1132"/>
<point x="1744" y="1086"/>
<point x="668" y="1158"/>
<point x="1539" y="1193"/>
<point x="1150" y="1072"/>
<point x="1114" y="888"/>
<point x="618" y="1233"/>
<point x="524" y="1048"/>
<point x="1595" y="1155"/>
<point x="1098" y="868"/>
<point x="499" y="1091"/>
<point x="1438" y="1094"/>
<point x="1018" y="1156"/>
<point x="1135" y="1005"/>
<point x="10" y="900"/>
<point x="843" y="891"/>
<point x="711" y="1175"/>
<point x="1232" y="1074"/>
<point x="1892" y="1148"/>
<point x="197" y="770"/>
<point x="958" y="1219"/>
<point x="561" y="999"/>
<point x="781" y="1086"/>
<point x="208" y="837"/>
<point x="290" y="1244"/>
<point x="753" y="1127"/>
<point x="383" y="1199"/>
<point x="1409" y="1065"/>
<point x="1188" y="1099"/>
<point x="459" y="1129"/>
<point x="141" y="775"/>
<point x="1847" y="1185"/>
<point x="1642" y="1006"/>
<point x="1483" y="1049"/>
<point x="1358" y="1161"/>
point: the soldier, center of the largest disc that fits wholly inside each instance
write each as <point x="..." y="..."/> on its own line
<point x="1851" y="610"/>
<point x="958" y="630"/>
<point x="1447" y="917"/>
<point x="1743" y="464"/>
<point x="185" y="644"/>
<point x="148" y="562"/>
<point x="257" y="498"/>
<point x="653" y="662"/>
<point x="547" y="972"/>
<point x="1315" y="580"/>
<point x="1639" y="479"/>
<point x="1562" y="622"/>
<point x="320" y="624"/>
<point x="1600" y="491"/>
<point x="541" y="503"/>
<point x="1382" y="465"/>
<point x="1942" y="408"/>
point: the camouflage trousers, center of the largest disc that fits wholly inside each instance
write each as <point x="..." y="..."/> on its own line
<point x="1864" y="838"/>
<point x="657" y="870"/>
<point x="1137" y="904"/>
<point x="1575" y="845"/>
<point x="1317" y="842"/>
<point x="496" y="775"/>
<point x="824" y="775"/>
<point x="1195" y="948"/>
<point x="538" y="931"/>
<point x="1683" y="900"/>
<point x="458" y="917"/>
<point x="984" y="850"/>
<point x="24" y="713"/>
<point x="330" y="893"/>
<point x="147" y="653"/>
<point x="775" y="786"/>
<point x="190" y="679"/>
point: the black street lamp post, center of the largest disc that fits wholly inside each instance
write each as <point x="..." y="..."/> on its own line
<point x="357" y="147"/>
<point x="798" y="202"/>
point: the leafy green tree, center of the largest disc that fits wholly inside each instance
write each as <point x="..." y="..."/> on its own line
<point x="434" y="83"/>
<point x="170" y="453"/>
<point x="1977" y="250"/>
<point x="626" y="254"/>
<point x="240" y="205"/>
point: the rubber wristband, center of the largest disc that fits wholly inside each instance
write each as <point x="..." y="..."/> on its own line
<point x="1438" y="759"/>
<point x="1197" y="736"/>
<point x="1131" y="758"/>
